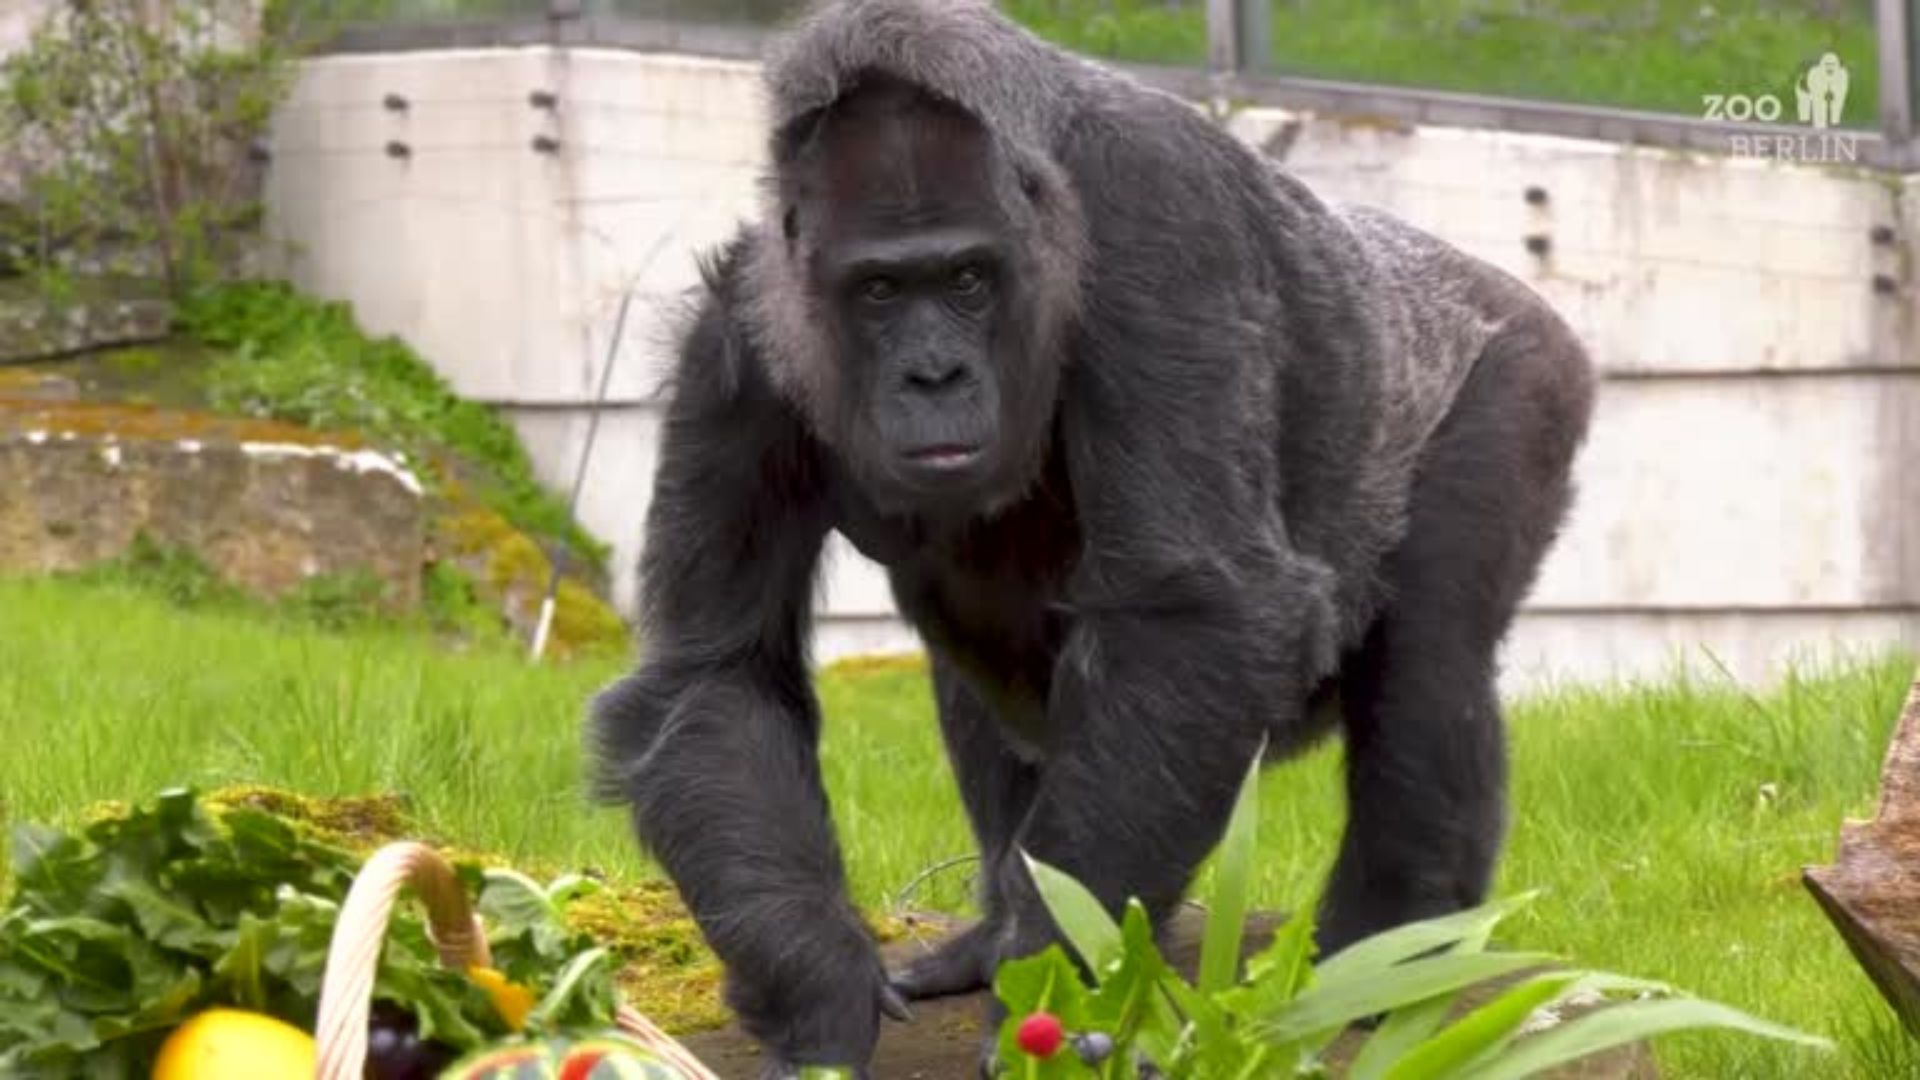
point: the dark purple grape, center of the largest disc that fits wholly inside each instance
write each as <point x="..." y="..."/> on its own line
<point x="434" y="1056"/>
<point x="395" y="1050"/>
<point x="382" y="1043"/>
<point x="387" y="1014"/>
<point x="391" y="1042"/>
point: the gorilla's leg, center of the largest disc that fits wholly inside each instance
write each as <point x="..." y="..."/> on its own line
<point x="1426" y="760"/>
<point x="997" y="789"/>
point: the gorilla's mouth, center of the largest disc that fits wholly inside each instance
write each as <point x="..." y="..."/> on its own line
<point x="944" y="457"/>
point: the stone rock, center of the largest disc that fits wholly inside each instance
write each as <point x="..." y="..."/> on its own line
<point x="35" y="331"/>
<point x="268" y="506"/>
<point x="1872" y="891"/>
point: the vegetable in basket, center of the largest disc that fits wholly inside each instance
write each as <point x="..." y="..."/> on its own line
<point x="118" y="933"/>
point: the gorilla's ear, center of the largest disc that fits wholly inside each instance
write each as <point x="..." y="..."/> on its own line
<point x="790" y="143"/>
<point x="791" y="140"/>
<point x="1030" y="184"/>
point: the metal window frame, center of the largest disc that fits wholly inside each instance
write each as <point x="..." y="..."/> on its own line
<point x="1238" y="71"/>
<point x="1238" y="30"/>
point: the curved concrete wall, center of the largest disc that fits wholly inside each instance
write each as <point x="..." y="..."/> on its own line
<point x="1747" y="497"/>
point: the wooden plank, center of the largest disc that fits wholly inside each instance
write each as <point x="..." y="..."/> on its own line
<point x="1872" y="891"/>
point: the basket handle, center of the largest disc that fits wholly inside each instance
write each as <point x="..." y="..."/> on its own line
<point x="353" y="958"/>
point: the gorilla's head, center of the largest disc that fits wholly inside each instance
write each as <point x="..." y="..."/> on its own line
<point x="919" y="327"/>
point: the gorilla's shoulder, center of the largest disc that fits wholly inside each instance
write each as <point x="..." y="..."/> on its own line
<point x="718" y="362"/>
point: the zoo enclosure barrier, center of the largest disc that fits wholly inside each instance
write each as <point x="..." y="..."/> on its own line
<point x="1740" y="74"/>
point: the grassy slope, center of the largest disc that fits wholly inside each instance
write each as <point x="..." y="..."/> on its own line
<point x="1667" y="824"/>
<point x="1656" y="54"/>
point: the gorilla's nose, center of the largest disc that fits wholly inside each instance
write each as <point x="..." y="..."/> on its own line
<point x="934" y="375"/>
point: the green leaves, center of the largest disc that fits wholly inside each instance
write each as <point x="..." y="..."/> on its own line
<point x="119" y="932"/>
<point x="1078" y="913"/>
<point x="1281" y="1016"/>
<point x="1220" y="951"/>
<point x="1622" y="1024"/>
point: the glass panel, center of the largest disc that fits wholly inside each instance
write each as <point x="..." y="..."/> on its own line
<point x="759" y="12"/>
<point x="1663" y="55"/>
<point x="1143" y="31"/>
<point x="1151" y="31"/>
<point x="424" y="10"/>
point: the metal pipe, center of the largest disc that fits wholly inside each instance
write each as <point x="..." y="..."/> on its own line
<point x="1894" y="26"/>
<point x="1224" y="49"/>
<point x="1256" y="36"/>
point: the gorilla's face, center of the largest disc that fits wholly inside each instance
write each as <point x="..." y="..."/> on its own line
<point x="919" y="311"/>
<point x="917" y="269"/>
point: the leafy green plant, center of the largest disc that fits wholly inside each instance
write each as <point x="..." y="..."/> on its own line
<point x="174" y="573"/>
<point x="1140" y="1018"/>
<point x="340" y="601"/>
<point x="119" y="932"/>
<point x="352" y="600"/>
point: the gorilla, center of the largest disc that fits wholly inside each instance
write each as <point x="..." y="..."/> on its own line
<point x="1168" y="460"/>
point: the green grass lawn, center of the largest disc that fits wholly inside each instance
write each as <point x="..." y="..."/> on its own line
<point x="1667" y="824"/>
<point x="1651" y="54"/>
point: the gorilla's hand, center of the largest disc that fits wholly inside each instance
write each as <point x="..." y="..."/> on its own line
<point x="889" y="1004"/>
<point x="863" y="1000"/>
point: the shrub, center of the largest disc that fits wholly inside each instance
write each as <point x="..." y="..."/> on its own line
<point x="305" y="361"/>
<point x="133" y="128"/>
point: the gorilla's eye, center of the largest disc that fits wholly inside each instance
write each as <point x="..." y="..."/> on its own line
<point x="879" y="290"/>
<point x="969" y="281"/>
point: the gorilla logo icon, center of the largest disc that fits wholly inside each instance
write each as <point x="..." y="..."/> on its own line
<point x="1822" y="93"/>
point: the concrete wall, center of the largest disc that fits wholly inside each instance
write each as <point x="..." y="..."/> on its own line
<point x="1744" y="495"/>
<point x="18" y="18"/>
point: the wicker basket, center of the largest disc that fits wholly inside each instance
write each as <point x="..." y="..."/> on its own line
<point x="346" y="994"/>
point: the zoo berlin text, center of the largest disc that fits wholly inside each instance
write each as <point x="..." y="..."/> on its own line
<point x="1820" y="101"/>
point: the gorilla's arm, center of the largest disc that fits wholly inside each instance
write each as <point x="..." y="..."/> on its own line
<point x="713" y="739"/>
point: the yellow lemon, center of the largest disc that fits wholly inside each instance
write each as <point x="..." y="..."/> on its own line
<point x="229" y="1044"/>
<point x="511" y="1000"/>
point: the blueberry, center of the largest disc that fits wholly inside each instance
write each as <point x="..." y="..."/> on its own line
<point x="1094" y="1047"/>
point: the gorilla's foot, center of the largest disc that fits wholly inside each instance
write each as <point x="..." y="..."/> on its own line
<point x="961" y="965"/>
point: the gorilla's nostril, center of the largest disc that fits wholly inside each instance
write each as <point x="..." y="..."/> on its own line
<point x="936" y="376"/>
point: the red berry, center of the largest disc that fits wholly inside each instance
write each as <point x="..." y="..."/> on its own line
<point x="1040" y="1034"/>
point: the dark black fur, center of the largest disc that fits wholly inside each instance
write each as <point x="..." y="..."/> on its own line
<point x="1286" y="454"/>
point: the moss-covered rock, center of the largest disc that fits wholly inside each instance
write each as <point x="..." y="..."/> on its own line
<point x="30" y="384"/>
<point x="101" y="313"/>
<point x="515" y="572"/>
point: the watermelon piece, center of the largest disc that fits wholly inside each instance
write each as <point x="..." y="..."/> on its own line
<point x="601" y="1057"/>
